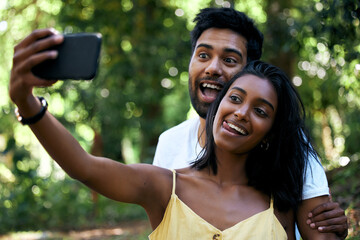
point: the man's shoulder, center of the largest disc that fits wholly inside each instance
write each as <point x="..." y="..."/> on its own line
<point x="176" y="147"/>
<point x="183" y="128"/>
<point x="315" y="182"/>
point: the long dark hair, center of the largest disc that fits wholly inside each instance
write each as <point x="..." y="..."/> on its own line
<point x="279" y="169"/>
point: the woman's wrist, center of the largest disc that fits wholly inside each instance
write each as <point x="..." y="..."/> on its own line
<point x="31" y="110"/>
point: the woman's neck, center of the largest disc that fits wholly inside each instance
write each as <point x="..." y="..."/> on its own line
<point x="230" y="168"/>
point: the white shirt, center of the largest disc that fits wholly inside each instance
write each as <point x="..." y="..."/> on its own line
<point x="179" y="146"/>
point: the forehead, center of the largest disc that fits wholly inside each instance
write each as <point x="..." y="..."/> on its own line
<point x="220" y="38"/>
<point x="257" y="87"/>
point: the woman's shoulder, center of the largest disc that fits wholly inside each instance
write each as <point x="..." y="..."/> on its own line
<point x="153" y="177"/>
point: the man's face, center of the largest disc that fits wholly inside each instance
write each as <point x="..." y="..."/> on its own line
<point x="219" y="54"/>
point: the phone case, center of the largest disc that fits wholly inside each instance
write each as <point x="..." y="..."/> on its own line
<point x="78" y="58"/>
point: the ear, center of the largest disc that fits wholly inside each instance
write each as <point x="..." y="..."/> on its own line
<point x="264" y="145"/>
<point x="267" y="140"/>
<point x="270" y="136"/>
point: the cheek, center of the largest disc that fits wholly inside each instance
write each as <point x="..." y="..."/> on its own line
<point x="263" y="127"/>
<point x="218" y="119"/>
<point x="215" y="125"/>
<point x="194" y="66"/>
<point x="230" y="72"/>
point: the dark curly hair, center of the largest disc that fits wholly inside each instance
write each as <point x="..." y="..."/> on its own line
<point x="231" y="19"/>
<point x="278" y="171"/>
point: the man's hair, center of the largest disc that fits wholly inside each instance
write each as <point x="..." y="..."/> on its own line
<point x="228" y="18"/>
<point x="278" y="170"/>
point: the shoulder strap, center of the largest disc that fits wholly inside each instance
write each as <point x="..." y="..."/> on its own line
<point x="174" y="181"/>
<point x="271" y="202"/>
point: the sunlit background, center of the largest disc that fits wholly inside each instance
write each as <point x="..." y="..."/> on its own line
<point x="141" y="90"/>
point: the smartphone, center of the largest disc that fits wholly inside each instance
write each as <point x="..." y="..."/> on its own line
<point x="78" y="58"/>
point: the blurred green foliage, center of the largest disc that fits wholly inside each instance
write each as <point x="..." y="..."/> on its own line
<point x="328" y="49"/>
<point x="141" y="90"/>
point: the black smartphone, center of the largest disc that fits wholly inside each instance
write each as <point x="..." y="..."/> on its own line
<point x="78" y="58"/>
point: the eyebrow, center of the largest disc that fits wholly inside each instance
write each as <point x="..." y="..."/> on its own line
<point x="232" y="50"/>
<point x="261" y="99"/>
<point x="228" y="50"/>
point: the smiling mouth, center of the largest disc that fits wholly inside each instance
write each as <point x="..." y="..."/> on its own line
<point x="210" y="90"/>
<point x="239" y="130"/>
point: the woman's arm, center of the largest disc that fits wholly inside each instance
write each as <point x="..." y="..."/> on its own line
<point x="134" y="184"/>
<point x="302" y="216"/>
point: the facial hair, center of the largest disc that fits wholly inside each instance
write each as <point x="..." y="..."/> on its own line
<point x="200" y="107"/>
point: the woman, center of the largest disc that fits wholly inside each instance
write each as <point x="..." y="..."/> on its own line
<point x="253" y="157"/>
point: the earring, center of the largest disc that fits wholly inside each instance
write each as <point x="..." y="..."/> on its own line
<point x="264" y="145"/>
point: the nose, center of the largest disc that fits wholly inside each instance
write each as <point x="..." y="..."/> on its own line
<point x="242" y="113"/>
<point x="214" y="69"/>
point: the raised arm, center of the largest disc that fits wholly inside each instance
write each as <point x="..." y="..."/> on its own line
<point x="134" y="184"/>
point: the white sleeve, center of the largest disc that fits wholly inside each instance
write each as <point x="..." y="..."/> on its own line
<point x="315" y="182"/>
<point x="158" y="151"/>
<point x="177" y="147"/>
<point x="156" y="160"/>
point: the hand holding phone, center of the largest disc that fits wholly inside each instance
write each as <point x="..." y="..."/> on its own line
<point x="78" y="58"/>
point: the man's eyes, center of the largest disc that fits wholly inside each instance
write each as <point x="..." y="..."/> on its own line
<point x="203" y="55"/>
<point x="230" y="60"/>
<point x="226" y="60"/>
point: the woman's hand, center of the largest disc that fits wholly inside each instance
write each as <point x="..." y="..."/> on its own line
<point x="28" y="53"/>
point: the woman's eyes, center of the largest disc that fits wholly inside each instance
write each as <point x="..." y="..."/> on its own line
<point x="235" y="98"/>
<point x="258" y="111"/>
<point x="261" y="112"/>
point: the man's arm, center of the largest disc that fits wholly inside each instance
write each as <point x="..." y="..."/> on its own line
<point x="329" y="217"/>
<point x="326" y="216"/>
<point x="302" y="216"/>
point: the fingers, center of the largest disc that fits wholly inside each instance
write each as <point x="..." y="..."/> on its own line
<point x="27" y="49"/>
<point x="327" y="213"/>
<point x="328" y="217"/>
<point x="26" y="64"/>
<point x="35" y="35"/>
<point x="329" y="223"/>
<point x="324" y="210"/>
<point x="341" y="230"/>
<point x="28" y="53"/>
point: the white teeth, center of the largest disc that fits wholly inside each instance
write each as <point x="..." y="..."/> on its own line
<point x="212" y="86"/>
<point x="241" y="131"/>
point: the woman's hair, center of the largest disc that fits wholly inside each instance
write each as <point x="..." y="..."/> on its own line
<point x="279" y="169"/>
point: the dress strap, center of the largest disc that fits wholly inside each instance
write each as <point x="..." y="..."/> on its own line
<point x="271" y="201"/>
<point x="174" y="181"/>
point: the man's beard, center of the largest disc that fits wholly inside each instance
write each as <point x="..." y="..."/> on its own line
<point x="201" y="108"/>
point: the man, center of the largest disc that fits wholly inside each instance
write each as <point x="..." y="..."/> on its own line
<point x="223" y="41"/>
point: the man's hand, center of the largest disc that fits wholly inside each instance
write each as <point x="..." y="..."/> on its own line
<point x="329" y="217"/>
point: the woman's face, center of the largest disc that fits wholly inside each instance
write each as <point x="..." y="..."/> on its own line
<point x="245" y="114"/>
